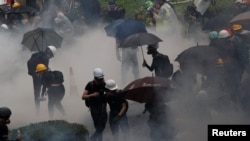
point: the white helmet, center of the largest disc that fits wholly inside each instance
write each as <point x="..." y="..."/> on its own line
<point x="223" y="34"/>
<point x="98" y="73"/>
<point x="111" y="85"/>
<point x="52" y="49"/>
<point x="4" y="26"/>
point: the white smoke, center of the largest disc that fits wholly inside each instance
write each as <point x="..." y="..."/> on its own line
<point x="94" y="49"/>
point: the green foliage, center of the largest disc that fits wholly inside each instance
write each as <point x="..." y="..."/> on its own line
<point x="55" y="130"/>
<point x="134" y="6"/>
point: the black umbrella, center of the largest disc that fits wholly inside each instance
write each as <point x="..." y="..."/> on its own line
<point x="22" y="9"/>
<point x="140" y="39"/>
<point x="40" y="38"/>
<point x="241" y="18"/>
<point x="122" y="28"/>
<point x="217" y="23"/>
<point x="199" y="57"/>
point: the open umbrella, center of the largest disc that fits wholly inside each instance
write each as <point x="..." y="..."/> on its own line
<point x="145" y="89"/>
<point x="140" y="39"/>
<point x="198" y="57"/>
<point x="122" y="28"/>
<point x="38" y="39"/>
<point x="22" y="9"/>
<point x="241" y="18"/>
<point x="218" y="22"/>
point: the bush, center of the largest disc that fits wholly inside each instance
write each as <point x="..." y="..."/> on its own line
<point x="55" y="130"/>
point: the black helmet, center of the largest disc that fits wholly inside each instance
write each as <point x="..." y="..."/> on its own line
<point x="5" y="112"/>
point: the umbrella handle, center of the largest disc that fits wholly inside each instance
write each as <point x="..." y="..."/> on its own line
<point x="142" y="53"/>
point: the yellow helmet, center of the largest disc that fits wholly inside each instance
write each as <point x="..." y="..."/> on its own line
<point x="16" y="4"/>
<point x="40" y="67"/>
<point x="237" y="27"/>
<point x="219" y="61"/>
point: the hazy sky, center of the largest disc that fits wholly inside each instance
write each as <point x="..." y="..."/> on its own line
<point x="94" y="49"/>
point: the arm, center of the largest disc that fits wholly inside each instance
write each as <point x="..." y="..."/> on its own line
<point x="117" y="50"/>
<point x="150" y="68"/>
<point x="86" y="95"/>
<point x="123" y="109"/>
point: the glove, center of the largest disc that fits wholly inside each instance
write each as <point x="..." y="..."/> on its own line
<point x="117" y="118"/>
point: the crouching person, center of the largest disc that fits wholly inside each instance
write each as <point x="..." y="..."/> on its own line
<point x="52" y="84"/>
<point x="118" y="109"/>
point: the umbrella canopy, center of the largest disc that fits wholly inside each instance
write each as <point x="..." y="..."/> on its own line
<point x="122" y="28"/>
<point x="22" y="9"/>
<point x="241" y="18"/>
<point x="218" y="22"/>
<point x="198" y="57"/>
<point x="140" y="39"/>
<point x="40" y="38"/>
<point x="145" y="89"/>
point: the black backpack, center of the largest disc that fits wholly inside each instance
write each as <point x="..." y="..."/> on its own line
<point x="167" y="67"/>
<point x="57" y="77"/>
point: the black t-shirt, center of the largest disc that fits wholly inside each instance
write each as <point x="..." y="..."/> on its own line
<point x="115" y="102"/>
<point x="3" y="132"/>
<point x="92" y="87"/>
<point x="158" y="64"/>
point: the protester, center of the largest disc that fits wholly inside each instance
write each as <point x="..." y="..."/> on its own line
<point x="160" y="64"/>
<point x="166" y="19"/>
<point x="213" y="36"/>
<point x="52" y="85"/>
<point x="118" y="109"/>
<point x="240" y="41"/>
<point x="5" y="114"/>
<point x="63" y="25"/>
<point x="93" y="95"/>
<point x="128" y="58"/>
<point x="114" y="12"/>
<point x="193" y="20"/>
<point x="35" y="59"/>
<point x="159" y="123"/>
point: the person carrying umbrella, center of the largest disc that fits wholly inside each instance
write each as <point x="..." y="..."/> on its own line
<point x="93" y="95"/>
<point x="161" y="64"/>
<point x="34" y="60"/>
<point x="118" y="108"/>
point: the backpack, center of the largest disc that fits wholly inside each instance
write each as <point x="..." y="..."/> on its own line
<point x="167" y="67"/>
<point x="57" y="77"/>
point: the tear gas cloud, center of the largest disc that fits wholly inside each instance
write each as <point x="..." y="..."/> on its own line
<point x="95" y="49"/>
